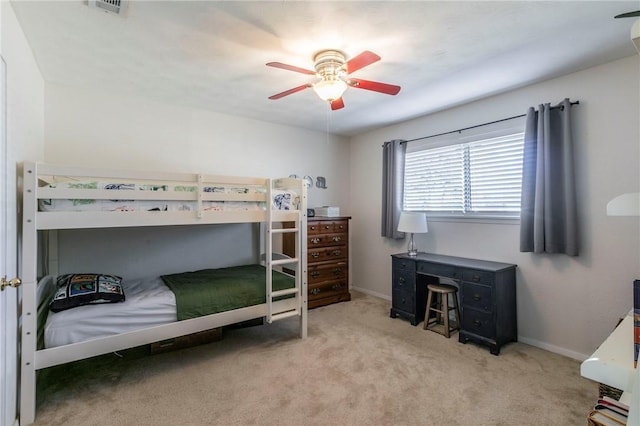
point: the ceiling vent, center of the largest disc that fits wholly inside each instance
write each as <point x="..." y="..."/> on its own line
<point x="116" y="7"/>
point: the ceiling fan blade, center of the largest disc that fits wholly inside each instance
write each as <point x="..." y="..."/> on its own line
<point x="289" y="92"/>
<point x="628" y="15"/>
<point x="375" y="86"/>
<point x="361" y="61"/>
<point x="337" y="104"/>
<point x="290" y="68"/>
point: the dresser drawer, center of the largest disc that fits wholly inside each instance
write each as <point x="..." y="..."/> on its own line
<point x="322" y="240"/>
<point x="328" y="272"/>
<point x="313" y="228"/>
<point x="327" y="226"/>
<point x="437" y="269"/>
<point x="327" y="289"/>
<point x="403" y="301"/>
<point x="327" y="253"/>
<point x="477" y="296"/>
<point x="480" y="277"/>
<point x="403" y="280"/>
<point x="480" y="323"/>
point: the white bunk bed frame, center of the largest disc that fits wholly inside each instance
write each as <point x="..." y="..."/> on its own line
<point x="34" y="293"/>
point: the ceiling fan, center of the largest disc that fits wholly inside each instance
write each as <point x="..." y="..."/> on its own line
<point x="333" y="70"/>
<point x="635" y="28"/>
<point x="628" y="15"/>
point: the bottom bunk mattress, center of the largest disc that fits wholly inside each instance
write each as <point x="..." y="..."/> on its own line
<point x="160" y="300"/>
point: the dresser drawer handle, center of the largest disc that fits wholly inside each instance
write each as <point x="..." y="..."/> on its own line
<point x="401" y="280"/>
<point x="315" y="255"/>
<point x="341" y="226"/>
<point x="337" y="272"/>
<point x="315" y="240"/>
<point x="315" y="274"/>
<point x="476" y="297"/>
<point x="336" y="239"/>
<point x="337" y="252"/>
<point x="314" y="291"/>
<point x="336" y="287"/>
<point x="312" y="227"/>
<point x="477" y="323"/>
<point x="476" y="278"/>
<point x="326" y="227"/>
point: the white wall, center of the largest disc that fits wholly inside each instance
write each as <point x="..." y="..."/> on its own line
<point x="106" y="130"/>
<point x="565" y="304"/>
<point x="25" y="92"/>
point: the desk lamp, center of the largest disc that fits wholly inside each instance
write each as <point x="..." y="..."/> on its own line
<point x="412" y="222"/>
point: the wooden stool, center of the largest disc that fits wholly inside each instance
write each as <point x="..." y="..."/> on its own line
<point x="442" y="308"/>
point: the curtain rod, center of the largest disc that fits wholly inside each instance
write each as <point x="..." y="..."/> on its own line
<point x="480" y="125"/>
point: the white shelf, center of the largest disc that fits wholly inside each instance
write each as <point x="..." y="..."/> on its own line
<point x="612" y="364"/>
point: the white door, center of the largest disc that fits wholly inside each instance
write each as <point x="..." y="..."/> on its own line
<point x="8" y="268"/>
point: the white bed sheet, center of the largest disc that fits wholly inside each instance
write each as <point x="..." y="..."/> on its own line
<point x="149" y="302"/>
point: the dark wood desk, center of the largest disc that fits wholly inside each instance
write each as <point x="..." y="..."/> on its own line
<point x="487" y="291"/>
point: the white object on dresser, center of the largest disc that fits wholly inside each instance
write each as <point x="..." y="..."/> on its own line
<point x="612" y="364"/>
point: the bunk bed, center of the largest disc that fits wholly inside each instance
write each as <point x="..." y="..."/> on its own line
<point x="59" y="197"/>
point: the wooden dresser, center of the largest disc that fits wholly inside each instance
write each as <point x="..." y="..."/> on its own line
<point x="327" y="258"/>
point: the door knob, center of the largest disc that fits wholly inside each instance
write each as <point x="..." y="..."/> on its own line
<point x="14" y="282"/>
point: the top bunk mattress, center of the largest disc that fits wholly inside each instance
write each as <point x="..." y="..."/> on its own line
<point x="214" y="198"/>
<point x="69" y="197"/>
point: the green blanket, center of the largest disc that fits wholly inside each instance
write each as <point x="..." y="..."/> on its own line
<point x="210" y="291"/>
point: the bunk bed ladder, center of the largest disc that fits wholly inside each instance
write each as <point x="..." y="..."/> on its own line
<point x="293" y="263"/>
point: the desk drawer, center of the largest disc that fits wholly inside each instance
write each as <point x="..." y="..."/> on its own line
<point x="477" y="296"/>
<point x="403" y="301"/>
<point x="479" y="277"/>
<point x="403" y="264"/>
<point x="480" y="323"/>
<point x="437" y="270"/>
<point x="403" y="280"/>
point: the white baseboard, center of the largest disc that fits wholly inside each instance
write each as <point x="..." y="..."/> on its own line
<point x="553" y="348"/>
<point x="372" y="293"/>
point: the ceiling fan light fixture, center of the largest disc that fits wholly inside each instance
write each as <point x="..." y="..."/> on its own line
<point x="330" y="90"/>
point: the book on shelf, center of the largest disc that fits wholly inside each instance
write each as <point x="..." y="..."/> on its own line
<point x="636" y="322"/>
<point x="608" y="412"/>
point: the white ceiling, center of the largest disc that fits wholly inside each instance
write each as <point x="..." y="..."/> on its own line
<point x="212" y="54"/>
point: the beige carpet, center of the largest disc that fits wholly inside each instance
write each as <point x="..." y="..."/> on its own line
<point x="357" y="367"/>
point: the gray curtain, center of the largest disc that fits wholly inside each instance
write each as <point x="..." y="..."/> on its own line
<point x="392" y="187"/>
<point x="548" y="222"/>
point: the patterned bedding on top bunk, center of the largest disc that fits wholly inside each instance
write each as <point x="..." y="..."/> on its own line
<point x="282" y="200"/>
<point x="161" y="300"/>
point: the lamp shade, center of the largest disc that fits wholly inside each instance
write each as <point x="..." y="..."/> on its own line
<point x="330" y="90"/>
<point x="624" y="205"/>
<point x="414" y="222"/>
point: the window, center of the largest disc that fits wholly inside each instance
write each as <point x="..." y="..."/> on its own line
<point x="474" y="176"/>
